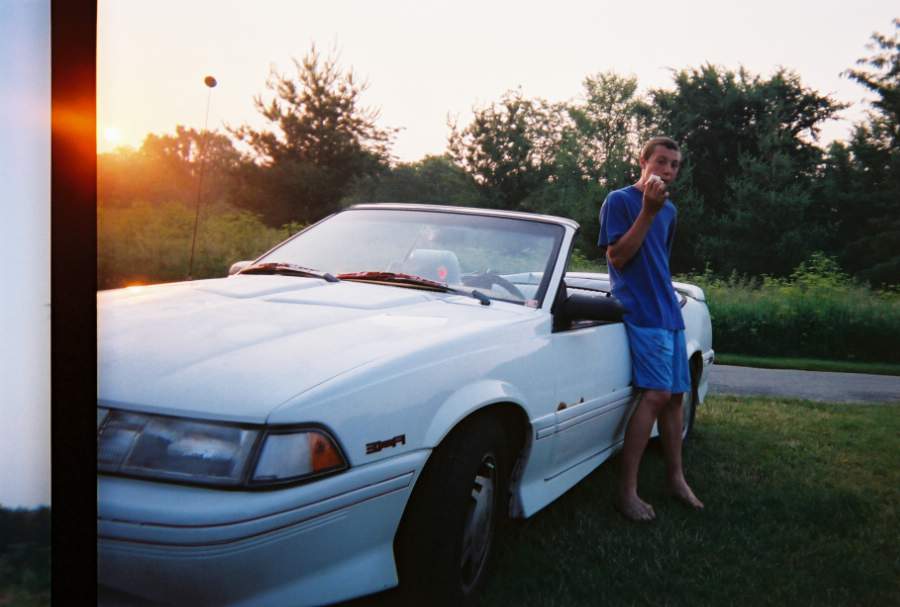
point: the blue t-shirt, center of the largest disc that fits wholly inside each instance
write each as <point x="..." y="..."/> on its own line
<point x="644" y="285"/>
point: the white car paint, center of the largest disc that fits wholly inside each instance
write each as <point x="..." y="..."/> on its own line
<point x="367" y="362"/>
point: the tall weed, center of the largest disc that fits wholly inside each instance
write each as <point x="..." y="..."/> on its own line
<point x="818" y="312"/>
<point x="149" y="243"/>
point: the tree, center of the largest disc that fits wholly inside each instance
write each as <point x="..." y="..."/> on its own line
<point x="882" y="77"/>
<point x="509" y="148"/>
<point x="606" y="131"/>
<point x="434" y="179"/>
<point x="598" y="153"/>
<point x="188" y="149"/>
<point x="749" y="149"/>
<point x="318" y="141"/>
<point x="868" y="217"/>
<point x="166" y="169"/>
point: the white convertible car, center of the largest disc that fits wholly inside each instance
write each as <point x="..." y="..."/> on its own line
<point x="357" y="408"/>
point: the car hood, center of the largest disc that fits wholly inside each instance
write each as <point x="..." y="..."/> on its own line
<point x="236" y="348"/>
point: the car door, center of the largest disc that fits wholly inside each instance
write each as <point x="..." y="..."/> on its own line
<point x="593" y="390"/>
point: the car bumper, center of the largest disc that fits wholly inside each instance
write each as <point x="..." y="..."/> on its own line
<point x="312" y="544"/>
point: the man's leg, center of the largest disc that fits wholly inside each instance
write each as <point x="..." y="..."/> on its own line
<point x="671" y="420"/>
<point x="637" y="433"/>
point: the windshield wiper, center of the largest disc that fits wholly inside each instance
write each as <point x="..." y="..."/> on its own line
<point x="412" y="280"/>
<point x="288" y="269"/>
<point x="394" y="277"/>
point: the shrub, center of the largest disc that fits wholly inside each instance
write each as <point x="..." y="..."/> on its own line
<point x="147" y="243"/>
<point x="818" y="312"/>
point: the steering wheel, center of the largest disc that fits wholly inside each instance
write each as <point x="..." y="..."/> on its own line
<point x="488" y="278"/>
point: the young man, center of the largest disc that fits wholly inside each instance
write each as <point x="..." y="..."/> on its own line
<point x="637" y="227"/>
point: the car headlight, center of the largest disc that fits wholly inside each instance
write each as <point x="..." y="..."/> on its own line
<point x="210" y="453"/>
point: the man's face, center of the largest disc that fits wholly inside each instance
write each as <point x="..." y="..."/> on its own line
<point x="663" y="162"/>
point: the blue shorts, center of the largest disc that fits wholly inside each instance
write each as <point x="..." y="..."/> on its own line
<point x="658" y="359"/>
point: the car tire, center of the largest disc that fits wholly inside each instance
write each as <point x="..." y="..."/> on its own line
<point x="689" y="405"/>
<point x="446" y="539"/>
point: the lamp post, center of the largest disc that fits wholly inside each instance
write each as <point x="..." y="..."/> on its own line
<point x="210" y="82"/>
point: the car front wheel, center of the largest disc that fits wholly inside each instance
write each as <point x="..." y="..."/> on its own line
<point x="446" y="539"/>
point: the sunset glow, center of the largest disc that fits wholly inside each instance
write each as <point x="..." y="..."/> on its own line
<point x="112" y="135"/>
<point x="424" y="62"/>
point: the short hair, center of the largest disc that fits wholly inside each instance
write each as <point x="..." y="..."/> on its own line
<point x="668" y="142"/>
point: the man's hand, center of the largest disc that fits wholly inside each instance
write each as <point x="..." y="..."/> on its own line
<point x="654" y="195"/>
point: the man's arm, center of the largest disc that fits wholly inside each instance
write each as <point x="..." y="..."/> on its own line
<point x="621" y="251"/>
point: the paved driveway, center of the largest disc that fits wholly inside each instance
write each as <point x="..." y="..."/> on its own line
<point x="812" y="385"/>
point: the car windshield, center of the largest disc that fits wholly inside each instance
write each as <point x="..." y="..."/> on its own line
<point x="504" y="258"/>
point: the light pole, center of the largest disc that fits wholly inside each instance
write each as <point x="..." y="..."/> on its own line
<point x="210" y="82"/>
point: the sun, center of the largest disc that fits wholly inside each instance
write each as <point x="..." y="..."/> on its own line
<point x="112" y="135"/>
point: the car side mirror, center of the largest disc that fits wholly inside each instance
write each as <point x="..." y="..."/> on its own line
<point x="581" y="306"/>
<point x="238" y="266"/>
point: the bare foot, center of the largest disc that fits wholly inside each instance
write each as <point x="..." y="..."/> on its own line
<point x="635" y="509"/>
<point x="682" y="491"/>
<point x="647" y="506"/>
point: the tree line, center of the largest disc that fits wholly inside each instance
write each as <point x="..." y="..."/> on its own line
<point x="757" y="194"/>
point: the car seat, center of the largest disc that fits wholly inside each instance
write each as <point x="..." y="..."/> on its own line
<point x="433" y="264"/>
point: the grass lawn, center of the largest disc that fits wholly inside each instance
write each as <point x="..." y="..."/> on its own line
<point x="801" y="502"/>
<point x="808" y="364"/>
<point x="17" y="597"/>
<point x="801" y="509"/>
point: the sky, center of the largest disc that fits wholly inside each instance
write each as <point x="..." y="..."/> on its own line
<point x="25" y="251"/>
<point x="428" y="60"/>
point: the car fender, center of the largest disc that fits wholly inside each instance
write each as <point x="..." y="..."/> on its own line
<point x="693" y="347"/>
<point x="466" y="401"/>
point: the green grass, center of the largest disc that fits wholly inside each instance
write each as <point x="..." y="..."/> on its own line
<point x="801" y="509"/>
<point x="807" y="364"/>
